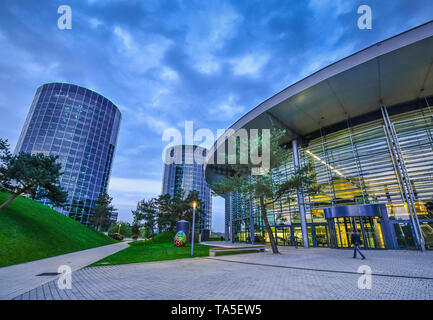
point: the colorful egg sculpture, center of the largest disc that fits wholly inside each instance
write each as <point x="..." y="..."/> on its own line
<point x="180" y="239"/>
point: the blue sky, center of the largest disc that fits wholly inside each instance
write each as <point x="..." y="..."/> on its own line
<point x="164" y="62"/>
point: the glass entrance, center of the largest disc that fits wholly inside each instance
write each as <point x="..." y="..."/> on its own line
<point x="297" y="236"/>
<point x="368" y="228"/>
<point x="291" y="235"/>
<point x="427" y="231"/>
<point x="321" y="236"/>
<point x="373" y="233"/>
<point x="283" y="236"/>
<point x="404" y="236"/>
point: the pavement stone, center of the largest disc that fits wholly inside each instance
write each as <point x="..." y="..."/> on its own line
<point x="314" y="273"/>
<point x="20" y="278"/>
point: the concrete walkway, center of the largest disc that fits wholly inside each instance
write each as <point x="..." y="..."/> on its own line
<point x="315" y="273"/>
<point x="20" y="278"/>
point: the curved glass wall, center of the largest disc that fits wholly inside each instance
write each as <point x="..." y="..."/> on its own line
<point x="81" y="127"/>
<point x="355" y="166"/>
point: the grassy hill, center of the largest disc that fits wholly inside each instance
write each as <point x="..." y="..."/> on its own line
<point x="31" y="231"/>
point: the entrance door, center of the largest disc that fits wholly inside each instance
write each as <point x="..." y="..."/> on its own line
<point x="287" y="236"/>
<point x="297" y="236"/>
<point x="373" y="233"/>
<point x="403" y="234"/>
<point x="321" y="236"/>
<point x="368" y="228"/>
<point x="282" y="236"/>
<point x="343" y="229"/>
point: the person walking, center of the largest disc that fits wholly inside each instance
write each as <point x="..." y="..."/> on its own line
<point x="356" y="241"/>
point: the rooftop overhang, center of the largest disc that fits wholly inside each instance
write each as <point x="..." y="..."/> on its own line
<point x="393" y="71"/>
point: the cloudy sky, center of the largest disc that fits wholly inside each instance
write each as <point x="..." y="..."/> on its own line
<point x="164" y="62"/>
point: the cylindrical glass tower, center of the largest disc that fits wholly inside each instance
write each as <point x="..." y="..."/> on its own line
<point x="184" y="170"/>
<point x="81" y="127"/>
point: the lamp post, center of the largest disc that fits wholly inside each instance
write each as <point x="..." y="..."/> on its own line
<point x="118" y="231"/>
<point x="194" y="206"/>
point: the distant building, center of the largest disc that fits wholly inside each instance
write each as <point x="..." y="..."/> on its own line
<point x="187" y="174"/>
<point x="81" y="127"/>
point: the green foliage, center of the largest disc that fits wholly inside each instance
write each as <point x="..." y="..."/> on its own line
<point x="216" y="238"/>
<point x="5" y="155"/>
<point x="30" y="231"/>
<point x="124" y="228"/>
<point x="116" y="236"/>
<point x="164" y="237"/>
<point x="34" y="174"/>
<point x="102" y="212"/>
<point x="146" y="252"/>
<point x="147" y="211"/>
<point x="166" y="212"/>
<point x="141" y="242"/>
<point x="179" y="207"/>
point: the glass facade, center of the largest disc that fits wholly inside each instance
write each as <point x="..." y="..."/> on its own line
<point x="356" y="164"/>
<point x="188" y="174"/>
<point x="81" y="127"/>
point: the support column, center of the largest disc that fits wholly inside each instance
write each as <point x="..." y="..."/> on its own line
<point x="252" y="231"/>
<point x="405" y="183"/>
<point x="300" y="197"/>
<point x="226" y="219"/>
<point x="231" y="217"/>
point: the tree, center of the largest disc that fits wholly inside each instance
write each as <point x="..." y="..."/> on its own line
<point x="5" y="156"/>
<point x="147" y="211"/>
<point x="102" y="212"/>
<point x="32" y="173"/>
<point x="135" y="230"/>
<point x="124" y="228"/>
<point x="179" y="207"/>
<point x="271" y="185"/>
<point x="166" y="215"/>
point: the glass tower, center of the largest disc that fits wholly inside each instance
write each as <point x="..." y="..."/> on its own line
<point x="183" y="170"/>
<point x="81" y="127"/>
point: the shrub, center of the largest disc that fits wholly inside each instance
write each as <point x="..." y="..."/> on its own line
<point x="141" y="242"/>
<point x="116" y="236"/>
<point x="125" y="229"/>
<point x="216" y="238"/>
<point x="134" y="237"/>
<point x="164" y="237"/>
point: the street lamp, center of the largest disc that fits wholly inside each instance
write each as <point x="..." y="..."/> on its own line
<point x="118" y="231"/>
<point x="194" y="206"/>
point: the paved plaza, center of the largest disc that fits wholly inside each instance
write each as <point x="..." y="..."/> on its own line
<point x="20" y="278"/>
<point x="315" y="273"/>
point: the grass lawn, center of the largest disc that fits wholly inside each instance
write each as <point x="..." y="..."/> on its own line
<point x="162" y="248"/>
<point x="31" y="231"/>
<point x="146" y="252"/>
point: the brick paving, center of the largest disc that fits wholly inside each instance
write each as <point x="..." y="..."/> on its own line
<point x="20" y="278"/>
<point x="315" y="273"/>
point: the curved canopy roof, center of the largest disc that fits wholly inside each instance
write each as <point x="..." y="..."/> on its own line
<point x="394" y="71"/>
